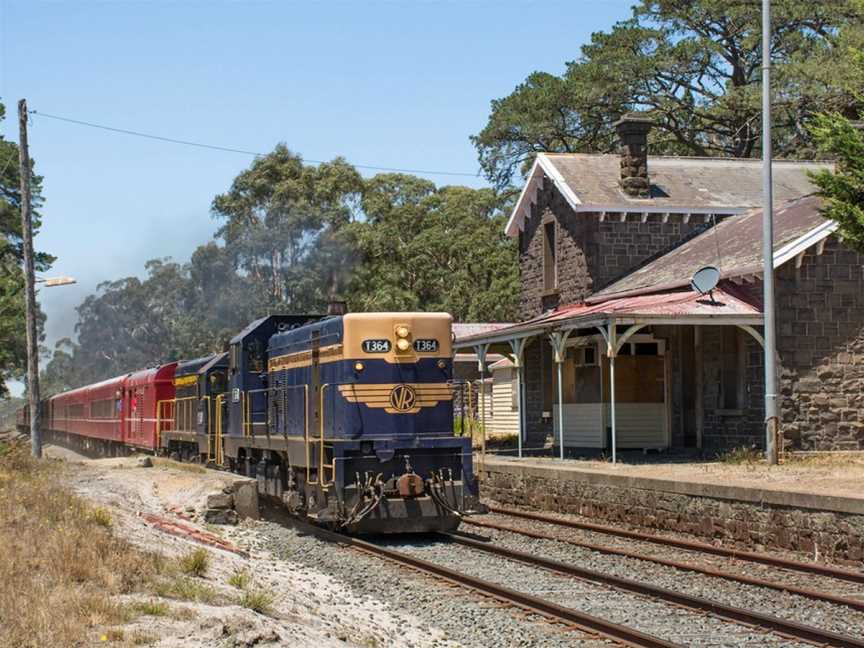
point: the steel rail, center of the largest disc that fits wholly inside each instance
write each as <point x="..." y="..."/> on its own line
<point x="570" y="617"/>
<point x="790" y="629"/>
<point x="857" y="604"/>
<point x="691" y="545"/>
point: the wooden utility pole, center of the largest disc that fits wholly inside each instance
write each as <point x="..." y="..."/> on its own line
<point x="29" y="283"/>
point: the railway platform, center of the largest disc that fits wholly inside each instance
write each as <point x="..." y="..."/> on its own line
<point x="812" y="507"/>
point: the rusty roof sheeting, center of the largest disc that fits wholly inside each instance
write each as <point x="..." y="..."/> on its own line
<point x="466" y="329"/>
<point x="729" y="300"/>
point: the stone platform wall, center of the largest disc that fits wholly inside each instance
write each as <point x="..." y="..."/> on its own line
<point x="748" y="518"/>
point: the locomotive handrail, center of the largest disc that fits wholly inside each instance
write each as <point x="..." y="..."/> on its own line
<point x="184" y="414"/>
<point x="160" y="405"/>
<point x="332" y="465"/>
<point x="247" y="423"/>
<point x="217" y="441"/>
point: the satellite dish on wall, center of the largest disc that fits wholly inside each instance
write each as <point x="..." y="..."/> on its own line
<point x="705" y="280"/>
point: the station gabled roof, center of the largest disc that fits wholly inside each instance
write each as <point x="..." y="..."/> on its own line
<point x="685" y="185"/>
<point x="734" y="246"/>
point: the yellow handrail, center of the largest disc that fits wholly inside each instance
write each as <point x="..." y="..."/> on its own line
<point x="160" y="405"/>
<point x="217" y="441"/>
<point x="321" y="453"/>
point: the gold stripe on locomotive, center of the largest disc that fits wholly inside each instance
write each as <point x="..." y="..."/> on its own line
<point x="185" y="381"/>
<point x="329" y="353"/>
<point x="397" y="398"/>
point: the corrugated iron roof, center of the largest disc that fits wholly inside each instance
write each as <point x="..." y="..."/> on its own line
<point x="465" y="329"/>
<point x="729" y="301"/>
<point x="734" y="246"/>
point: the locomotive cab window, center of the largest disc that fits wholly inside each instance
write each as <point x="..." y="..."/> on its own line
<point x="234" y="359"/>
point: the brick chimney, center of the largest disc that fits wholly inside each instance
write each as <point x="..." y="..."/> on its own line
<point x="633" y="135"/>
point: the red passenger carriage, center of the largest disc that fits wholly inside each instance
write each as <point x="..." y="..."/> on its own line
<point x="113" y="415"/>
<point x="144" y="391"/>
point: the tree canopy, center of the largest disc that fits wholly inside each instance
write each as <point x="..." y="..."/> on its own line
<point x="695" y="67"/>
<point x="13" y="343"/>
<point x="290" y="237"/>
<point x="842" y="138"/>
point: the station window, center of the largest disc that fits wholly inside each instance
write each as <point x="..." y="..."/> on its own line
<point x="550" y="263"/>
<point x="732" y="369"/>
<point x="645" y="349"/>
<point x="585" y="356"/>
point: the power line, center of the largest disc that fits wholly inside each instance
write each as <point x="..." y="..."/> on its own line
<point x="3" y="170"/>
<point x="227" y="149"/>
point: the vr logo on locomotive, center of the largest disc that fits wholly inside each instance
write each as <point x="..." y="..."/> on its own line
<point x="403" y="398"/>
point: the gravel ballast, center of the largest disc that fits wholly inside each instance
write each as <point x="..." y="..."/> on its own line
<point x="820" y="614"/>
<point x="660" y="619"/>
<point x="468" y="619"/>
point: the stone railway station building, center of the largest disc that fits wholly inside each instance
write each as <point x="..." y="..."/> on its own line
<point x="608" y="245"/>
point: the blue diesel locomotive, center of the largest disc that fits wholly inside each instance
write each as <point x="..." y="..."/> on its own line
<point x="348" y="420"/>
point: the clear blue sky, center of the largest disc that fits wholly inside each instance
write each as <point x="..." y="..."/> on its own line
<point x="394" y="84"/>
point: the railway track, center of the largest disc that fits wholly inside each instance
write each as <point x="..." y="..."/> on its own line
<point x="689" y="545"/>
<point x="776" y="625"/>
<point x="575" y="619"/>
<point x="856" y="604"/>
<point x="568" y="617"/>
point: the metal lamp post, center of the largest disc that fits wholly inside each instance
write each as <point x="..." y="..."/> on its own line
<point x="771" y="420"/>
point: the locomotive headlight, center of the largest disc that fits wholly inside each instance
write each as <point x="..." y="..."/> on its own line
<point x="402" y="332"/>
<point x="359" y="366"/>
<point x="402" y="344"/>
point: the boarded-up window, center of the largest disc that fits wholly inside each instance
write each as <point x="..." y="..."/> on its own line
<point x="550" y="268"/>
<point x="732" y="369"/>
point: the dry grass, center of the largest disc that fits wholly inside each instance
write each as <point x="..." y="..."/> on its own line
<point x="195" y="563"/>
<point x="258" y="600"/>
<point x="825" y="460"/>
<point x="151" y="607"/>
<point x="60" y="566"/>
<point x="187" y="589"/>
<point x="241" y="579"/>
<point x="741" y="455"/>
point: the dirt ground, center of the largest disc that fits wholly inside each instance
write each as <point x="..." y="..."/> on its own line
<point x="839" y="474"/>
<point x="309" y="608"/>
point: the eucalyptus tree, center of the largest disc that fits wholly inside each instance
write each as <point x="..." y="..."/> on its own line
<point x="694" y="66"/>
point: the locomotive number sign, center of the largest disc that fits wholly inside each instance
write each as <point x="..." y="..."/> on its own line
<point x="426" y="346"/>
<point x="376" y="346"/>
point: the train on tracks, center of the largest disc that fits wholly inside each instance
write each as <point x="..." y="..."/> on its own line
<point x="347" y="420"/>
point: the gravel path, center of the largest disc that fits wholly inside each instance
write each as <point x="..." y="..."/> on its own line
<point x="469" y="619"/>
<point x="743" y="567"/>
<point x="820" y="614"/>
<point x="654" y="617"/>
